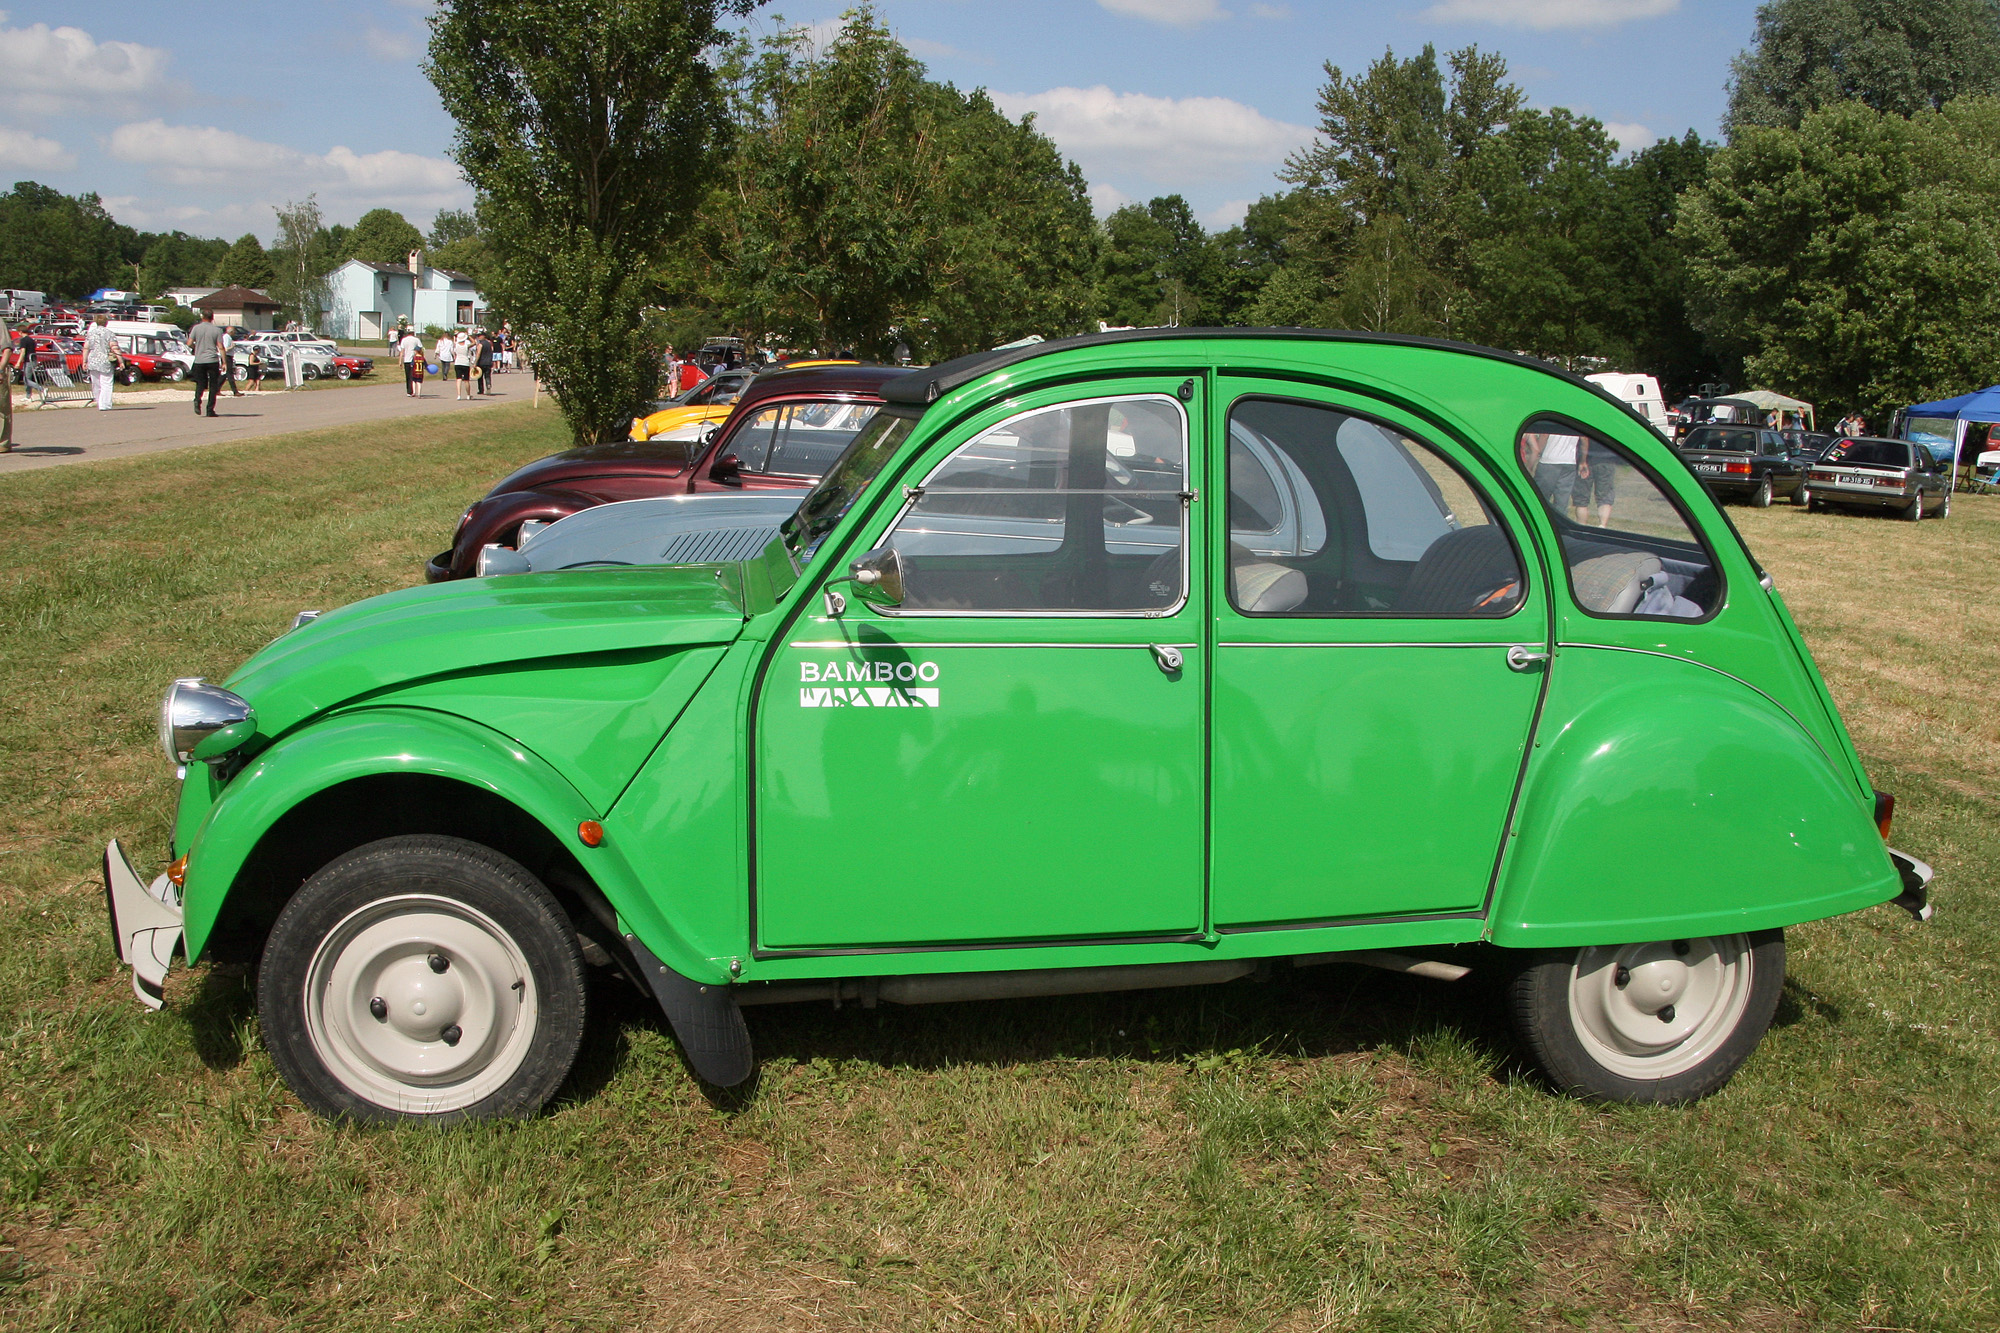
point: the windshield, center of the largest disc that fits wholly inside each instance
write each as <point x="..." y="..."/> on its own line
<point x="1881" y="453"/>
<point x="1738" y="439"/>
<point x="827" y="503"/>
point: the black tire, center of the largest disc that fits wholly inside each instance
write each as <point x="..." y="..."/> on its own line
<point x="1815" y="505"/>
<point x="1944" y="510"/>
<point x="342" y="372"/>
<point x="1761" y="497"/>
<point x="177" y="374"/>
<point x="309" y="372"/>
<point x="1547" y="1023"/>
<point x="1803" y="496"/>
<point x="1915" y="509"/>
<point x="345" y="932"/>
<point x="129" y="376"/>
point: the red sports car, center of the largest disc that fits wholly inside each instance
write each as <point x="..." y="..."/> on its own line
<point x="347" y="367"/>
<point x="752" y="449"/>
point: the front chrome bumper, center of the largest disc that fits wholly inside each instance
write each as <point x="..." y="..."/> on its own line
<point x="1916" y="895"/>
<point x="145" y="924"/>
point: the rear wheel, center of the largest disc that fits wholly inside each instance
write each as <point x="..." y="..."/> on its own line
<point x="1664" y="1022"/>
<point x="1761" y="497"/>
<point x="178" y="373"/>
<point x="129" y="376"/>
<point x="309" y="372"/>
<point x="422" y="978"/>
<point x="1803" y="495"/>
<point x="1944" y="510"/>
<point x="1915" y="509"/>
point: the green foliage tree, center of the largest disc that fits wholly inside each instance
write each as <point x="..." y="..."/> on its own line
<point x="1247" y="255"/>
<point x="178" y="260"/>
<point x="452" y="225"/>
<point x="66" y="245"/>
<point x="1650" y="279"/>
<point x="301" y="262"/>
<point x="1851" y="260"/>
<point x="1902" y="56"/>
<point x="590" y="129"/>
<point x="382" y="236"/>
<point x="868" y="205"/>
<point x="1160" y="266"/>
<point x="244" y="264"/>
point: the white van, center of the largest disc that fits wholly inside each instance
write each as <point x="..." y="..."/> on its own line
<point x="18" y="301"/>
<point x="1642" y="392"/>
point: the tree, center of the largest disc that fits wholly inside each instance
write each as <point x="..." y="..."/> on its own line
<point x="177" y="259"/>
<point x="244" y="265"/>
<point x="1851" y="260"/>
<point x="1900" y="56"/>
<point x="451" y="225"/>
<point x="302" y="261"/>
<point x="1650" y="271"/>
<point x="61" y="244"/>
<point x="867" y="205"/>
<point x="1160" y="267"/>
<point x="1248" y="255"/>
<point x="590" y="129"/>
<point x="382" y="236"/>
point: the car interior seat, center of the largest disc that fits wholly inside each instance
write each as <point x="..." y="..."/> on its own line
<point x="1263" y="587"/>
<point x="1467" y="569"/>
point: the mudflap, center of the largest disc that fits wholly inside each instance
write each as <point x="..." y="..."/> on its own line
<point x="705" y="1019"/>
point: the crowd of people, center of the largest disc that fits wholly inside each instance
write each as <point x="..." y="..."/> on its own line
<point x="469" y="359"/>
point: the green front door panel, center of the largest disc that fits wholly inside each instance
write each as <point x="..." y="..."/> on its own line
<point x="1364" y="761"/>
<point x="961" y="779"/>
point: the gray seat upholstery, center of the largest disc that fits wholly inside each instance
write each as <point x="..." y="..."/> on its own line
<point x="1263" y="587"/>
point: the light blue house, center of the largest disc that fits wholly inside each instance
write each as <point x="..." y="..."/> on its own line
<point x="368" y="299"/>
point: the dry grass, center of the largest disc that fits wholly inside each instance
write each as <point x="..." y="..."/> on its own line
<point x="1332" y="1150"/>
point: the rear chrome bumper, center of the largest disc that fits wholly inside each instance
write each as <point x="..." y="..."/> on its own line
<point x="1916" y="895"/>
<point x="145" y="924"/>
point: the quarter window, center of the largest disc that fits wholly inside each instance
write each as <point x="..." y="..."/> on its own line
<point x="1629" y="548"/>
<point x="1333" y="514"/>
<point x="1076" y="509"/>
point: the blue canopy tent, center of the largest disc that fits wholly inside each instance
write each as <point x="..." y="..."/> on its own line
<point x="1942" y="427"/>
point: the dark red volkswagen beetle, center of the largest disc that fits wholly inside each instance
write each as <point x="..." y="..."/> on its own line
<point x="746" y="452"/>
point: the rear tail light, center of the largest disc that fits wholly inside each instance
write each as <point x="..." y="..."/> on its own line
<point x="1885" y="813"/>
<point x="1741" y="469"/>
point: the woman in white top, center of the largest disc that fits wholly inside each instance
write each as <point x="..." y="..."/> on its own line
<point x="447" y="348"/>
<point x="100" y="354"/>
<point x="461" y="366"/>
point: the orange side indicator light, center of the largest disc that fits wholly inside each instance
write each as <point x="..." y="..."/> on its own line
<point x="1885" y="813"/>
<point x="177" y="873"/>
<point x="591" y="832"/>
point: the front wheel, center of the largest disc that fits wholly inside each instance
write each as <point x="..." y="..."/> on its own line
<point x="422" y="978"/>
<point x="1666" y="1022"/>
<point x="309" y="372"/>
<point x="344" y="373"/>
<point x="1944" y="510"/>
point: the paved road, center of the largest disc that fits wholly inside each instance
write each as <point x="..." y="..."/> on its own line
<point x="46" y="437"/>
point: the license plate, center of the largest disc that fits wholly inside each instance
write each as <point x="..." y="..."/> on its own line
<point x="1708" y="467"/>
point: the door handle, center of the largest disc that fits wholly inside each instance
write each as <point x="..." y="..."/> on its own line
<point x="1167" y="657"/>
<point x="1523" y="658"/>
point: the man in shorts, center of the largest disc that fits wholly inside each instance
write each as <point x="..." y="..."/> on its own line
<point x="1555" y="465"/>
<point x="1594" y="487"/>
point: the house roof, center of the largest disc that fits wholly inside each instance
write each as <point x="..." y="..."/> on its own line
<point x="401" y="270"/>
<point x="236" y="298"/>
<point x="453" y="274"/>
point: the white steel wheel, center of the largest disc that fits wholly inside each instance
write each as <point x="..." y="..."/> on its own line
<point x="422" y="977"/>
<point x="421" y="1002"/>
<point x="1656" y="1010"/>
<point x="1667" y="1021"/>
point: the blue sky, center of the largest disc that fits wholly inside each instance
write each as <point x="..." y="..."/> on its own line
<point x="205" y="118"/>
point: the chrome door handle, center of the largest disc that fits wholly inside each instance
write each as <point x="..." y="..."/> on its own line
<point x="1523" y="658"/>
<point x="1167" y="657"/>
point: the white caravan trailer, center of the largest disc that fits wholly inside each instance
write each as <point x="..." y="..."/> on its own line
<point x="1642" y="392"/>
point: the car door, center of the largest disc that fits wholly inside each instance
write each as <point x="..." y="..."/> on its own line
<point x="1015" y="753"/>
<point x="1375" y="683"/>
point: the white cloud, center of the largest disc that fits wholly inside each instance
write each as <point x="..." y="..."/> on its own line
<point x="240" y="178"/>
<point x="1271" y="11"/>
<point x="1224" y="216"/>
<point x="1173" y="142"/>
<point x="1547" y="14"/>
<point x="22" y="151"/>
<point x="1180" y="13"/>
<point x="1629" y="138"/>
<point x="926" y="49"/>
<point x="1108" y="199"/>
<point x="46" y="71"/>
<point x="386" y="45"/>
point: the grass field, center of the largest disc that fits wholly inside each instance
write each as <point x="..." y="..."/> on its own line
<point x="1332" y="1150"/>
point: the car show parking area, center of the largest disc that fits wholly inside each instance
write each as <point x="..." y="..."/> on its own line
<point x="1328" y="1148"/>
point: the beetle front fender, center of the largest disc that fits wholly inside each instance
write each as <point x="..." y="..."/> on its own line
<point x="1666" y="799"/>
<point x="372" y="742"/>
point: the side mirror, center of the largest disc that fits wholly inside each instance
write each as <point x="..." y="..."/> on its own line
<point x="878" y="576"/>
<point x="726" y="470"/>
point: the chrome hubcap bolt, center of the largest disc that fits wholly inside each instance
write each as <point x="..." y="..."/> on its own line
<point x="379" y="1007"/>
<point x="438" y="962"/>
<point x="451" y="1034"/>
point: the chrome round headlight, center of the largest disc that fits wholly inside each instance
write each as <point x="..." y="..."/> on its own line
<point x="203" y="721"/>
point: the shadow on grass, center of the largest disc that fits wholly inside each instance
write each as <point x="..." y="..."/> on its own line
<point x="218" y="1016"/>
<point x="1796" y="1003"/>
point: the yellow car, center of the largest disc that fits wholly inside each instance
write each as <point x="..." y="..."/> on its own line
<point x="710" y="400"/>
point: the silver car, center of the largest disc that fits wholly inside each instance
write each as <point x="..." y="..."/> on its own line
<point x="1869" y="473"/>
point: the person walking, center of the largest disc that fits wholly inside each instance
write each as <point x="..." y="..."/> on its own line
<point x="253" y="369"/>
<point x="205" y="341"/>
<point x="100" y="357"/>
<point x="27" y="360"/>
<point x="227" y="362"/>
<point x="483" y="344"/>
<point x="447" y="353"/>
<point x="7" y="357"/>
<point x="462" y="368"/>
<point x="411" y="349"/>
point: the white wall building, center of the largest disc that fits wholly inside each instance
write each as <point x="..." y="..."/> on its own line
<point x="370" y="299"/>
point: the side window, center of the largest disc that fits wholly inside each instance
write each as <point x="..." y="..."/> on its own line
<point x="1629" y="548"/>
<point x="1333" y="514"/>
<point x="799" y="439"/>
<point x="1072" y="509"/>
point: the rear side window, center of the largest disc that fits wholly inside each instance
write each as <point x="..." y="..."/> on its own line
<point x="1333" y="514"/>
<point x="1629" y="548"/>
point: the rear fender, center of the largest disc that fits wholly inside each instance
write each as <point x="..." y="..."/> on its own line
<point x="1669" y="800"/>
<point x="377" y="741"/>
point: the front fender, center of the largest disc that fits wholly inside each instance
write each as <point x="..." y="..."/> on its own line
<point x="1666" y="799"/>
<point x="495" y="517"/>
<point x="374" y="741"/>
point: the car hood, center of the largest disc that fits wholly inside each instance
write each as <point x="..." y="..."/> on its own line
<point x="617" y="457"/>
<point x="667" y="530"/>
<point x="471" y="624"/>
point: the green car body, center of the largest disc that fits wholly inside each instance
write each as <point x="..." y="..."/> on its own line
<point x="790" y="795"/>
